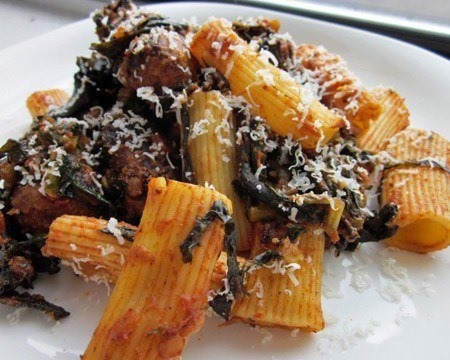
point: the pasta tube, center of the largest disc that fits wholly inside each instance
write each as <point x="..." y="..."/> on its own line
<point x="286" y="293"/>
<point x="92" y="251"/>
<point x="88" y="245"/>
<point x="393" y="118"/>
<point x="212" y="150"/>
<point x="39" y="102"/>
<point x="276" y="96"/>
<point x="339" y="87"/>
<point x="422" y="193"/>
<point x="159" y="299"/>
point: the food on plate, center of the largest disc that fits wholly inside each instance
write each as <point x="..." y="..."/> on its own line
<point x="39" y="102"/>
<point x="161" y="293"/>
<point x="283" y="283"/>
<point x="340" y="88"/>
<point x="419" y="184"/>
<point x="278" y="98"/>
<point x="211" y="149"/>
<point x="90" y="247"/>
<point x="166" y="118"/>
<point x="393" y="118"/>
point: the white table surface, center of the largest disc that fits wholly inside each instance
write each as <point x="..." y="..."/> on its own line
<point x="22" y="20"/>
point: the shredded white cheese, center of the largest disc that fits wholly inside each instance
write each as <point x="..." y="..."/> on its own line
<point x="113" y="229"/>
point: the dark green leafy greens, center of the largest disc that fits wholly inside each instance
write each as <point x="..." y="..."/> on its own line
<point x="376" y="227"/>
<point x="72" y="181"/>
<point x="35" y="301"/>
<point x="223" y="301"/>
<point x="20" y="261"/>
<point x="266" y="257"/>
<point x="128" y="233"/>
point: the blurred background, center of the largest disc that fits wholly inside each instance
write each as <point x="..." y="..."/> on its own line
<point x="423" y="22"/>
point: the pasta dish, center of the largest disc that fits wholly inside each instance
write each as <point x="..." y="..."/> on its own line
<point x="207" y="167"/>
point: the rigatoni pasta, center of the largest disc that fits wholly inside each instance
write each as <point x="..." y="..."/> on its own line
<point x="92" y="251"/>
<point x="287" y="135"/>
<point x="88" y="246"/>
<point x="286" y="291"/>
<point x="339" y="88"/>
<point x="212" y="149"/>
<point x="286" y="106"/>
<point x="159" y="299"/>
<point x="393" y="118"/>
<point x="421" y="189"/>
<point x="39" y="102"/>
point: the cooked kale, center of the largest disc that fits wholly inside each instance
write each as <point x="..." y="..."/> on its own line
<point x="127" y="232"/>
<point x="235" y="275"/>
<point x="222" y="302"/>
<point x="294" y="231"/>
<point x="221" y="305"/>
<point x="35" y="301"/>
<point x="115" y="47"/>
<point x="247" y="183"/>
<point x="94" y="84"/>
<point x="110" y="16"/>
<point x="187" y="172"/>
<point x="305" y="213"/>
<point x="375" y="228"/>
<point x="73" y="181"/>
<point x="218" y="211"/>
<point x="20" y="263"/>
<point x="266" y="257"/>
<point x="13" y="150"/>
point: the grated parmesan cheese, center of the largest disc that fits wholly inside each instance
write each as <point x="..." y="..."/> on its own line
<point x="112" y="228"/>
<point x="15" y="317"/>
<point x="148" y="93"/>
<point x="106" y="250"/>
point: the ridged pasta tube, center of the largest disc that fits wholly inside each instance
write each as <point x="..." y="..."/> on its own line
<point x="422" y="193"/>
<point x="287" y="292"/>
<point x="159" y="300"/>
<point x="92" y="251"/>
<point x="39" y="102"/>
<point x="393" y="118"/>
<point x="212" y="148"/>
<point x="275" y="95"/>
<point x="88" y="247"/>
<point x="339" y="87"/>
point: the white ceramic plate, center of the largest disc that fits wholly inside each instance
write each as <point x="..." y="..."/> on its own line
<point x="411" y="322"/>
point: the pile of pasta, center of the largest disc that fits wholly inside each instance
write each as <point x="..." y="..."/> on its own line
<point x="167" y="270"/>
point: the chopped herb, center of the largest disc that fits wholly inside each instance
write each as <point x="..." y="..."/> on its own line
<point x="34" y="301"/>
<point x="222" y="302"/>
<point x="186" y="163"/>
<point x="218" y="211"/>
<point x="221" y="305"/>
<point x="376" y="228"/>
<point x="420" y="162"/>
<point x="266" y="257"/>
<point x="294" y="231"/>
<point x="13" y="150"/>
<point x="127" y="232"/>
<point x="72" y="180"/>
